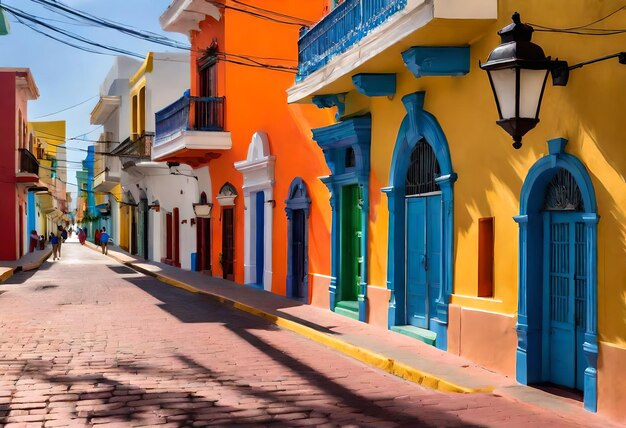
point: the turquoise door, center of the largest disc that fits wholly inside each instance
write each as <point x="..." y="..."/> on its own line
<point x="423" y="258"/>
<point x="565" y="288"/>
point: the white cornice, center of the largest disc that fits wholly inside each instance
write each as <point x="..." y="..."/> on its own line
<point x="103" y="110"/>
<point x="184" y="16"/>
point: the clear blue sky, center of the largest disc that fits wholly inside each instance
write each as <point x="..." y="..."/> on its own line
<point x="66" y="76"/>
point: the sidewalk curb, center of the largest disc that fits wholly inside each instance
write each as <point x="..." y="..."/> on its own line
<point x="7" y="272"/>
<point x="35" y="265"/>
<point x="364" y="355"/>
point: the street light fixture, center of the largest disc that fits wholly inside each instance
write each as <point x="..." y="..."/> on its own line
<point x="518" y="70"/>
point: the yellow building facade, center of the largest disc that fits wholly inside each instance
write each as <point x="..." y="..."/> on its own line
<point x="490" y="244"/>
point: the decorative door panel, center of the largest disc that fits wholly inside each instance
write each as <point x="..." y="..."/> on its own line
<point x="567" y="288"/>
<point x="298" y="256"/>
<point x="416" y="263"/>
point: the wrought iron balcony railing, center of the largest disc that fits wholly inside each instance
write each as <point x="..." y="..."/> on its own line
<point x="139" y="146"/>
<point x="28" y="162"/>
<point x="341" y="29"/>
<point x="189" y="114"/>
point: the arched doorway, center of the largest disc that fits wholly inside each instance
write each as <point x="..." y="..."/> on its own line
<point x="298" y="206"/>
<point x="423" y="236"/>
<point x="142" y="226"/>
<point x="226" y="199"/>
<point x="258" y="193"/>
<point x="203" y="239"/>
<point x="557" y="311"/>
<point x="420" y="198"/>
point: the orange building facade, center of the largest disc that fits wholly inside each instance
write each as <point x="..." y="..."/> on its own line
<point x="261" y="208"/>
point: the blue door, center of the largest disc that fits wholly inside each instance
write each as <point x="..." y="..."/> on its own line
<point x="423" y="258"/>
<point x="565" y="279"/>
<point x="260" y="242"/>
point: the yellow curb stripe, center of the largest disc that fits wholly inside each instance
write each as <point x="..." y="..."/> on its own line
<point x="6" y="275"/>
<point x="366" y="356"/>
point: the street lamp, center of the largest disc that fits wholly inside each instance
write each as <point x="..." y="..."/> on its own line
<point x="518" y="70"/>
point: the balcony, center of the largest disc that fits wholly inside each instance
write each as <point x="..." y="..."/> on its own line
<point x="191" y="130"/>
<point x="105" y="181"/>
<point x="341" y="29"/>
<point x="369" y="36"/>
<point x="28" y="171"/>
<point x="134" y="150"/>
<point x="106" y="168"/>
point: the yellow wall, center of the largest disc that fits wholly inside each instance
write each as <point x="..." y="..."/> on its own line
<point x="50" y="132"/>
<point x="588" y="112"/>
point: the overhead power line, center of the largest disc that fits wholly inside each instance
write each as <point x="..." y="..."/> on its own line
<point x="21" y="14"/>
<point x="68" y="108"/>
<point x="587" y="29"/>
<point x="65" y="10"/>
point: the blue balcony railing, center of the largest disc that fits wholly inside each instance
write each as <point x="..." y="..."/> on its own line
<point x="341" y="29"/>
<point x="189" y="114"/>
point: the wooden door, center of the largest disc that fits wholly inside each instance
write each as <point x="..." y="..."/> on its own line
<point x="350" y="268"/>
<point x="298" y="252"/>
<point x="565" y="289"/>
<point x="228" y="243"/>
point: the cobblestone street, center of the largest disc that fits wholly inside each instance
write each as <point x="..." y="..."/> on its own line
<point x="87" y="341"/>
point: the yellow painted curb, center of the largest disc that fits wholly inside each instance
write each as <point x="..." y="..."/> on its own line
<point x="6" y="275"/>
<point x="361" y="354"/>
<point x="366" y="356"/>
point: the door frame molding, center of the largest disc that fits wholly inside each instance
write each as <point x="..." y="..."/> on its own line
<point x="258" y="176"/>
<point x="335" y="140"/>
<point x="528" y="365"/>
<point x="297" y="199"/>
<point x="418" y="124"/>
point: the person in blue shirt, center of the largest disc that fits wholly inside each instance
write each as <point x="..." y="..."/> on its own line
<point x="54" y="240"/>
<point x="104" y="241"/>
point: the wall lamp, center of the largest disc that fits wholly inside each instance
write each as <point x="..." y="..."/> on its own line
<point x="518" y="70"/>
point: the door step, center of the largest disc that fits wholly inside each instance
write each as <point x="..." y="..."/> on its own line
<point x="420" y="334"/>
<point x="348" y="308"/>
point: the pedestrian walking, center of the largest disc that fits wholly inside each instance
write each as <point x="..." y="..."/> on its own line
<point x="64" y="234"/>
<point x="97" y="237"/>
<point x="34" y="239"/>
<point x="54" y="240"/>
<point x="82" y="236"/>
<point x="104" y="241"/>
<point x="60" y="238"/>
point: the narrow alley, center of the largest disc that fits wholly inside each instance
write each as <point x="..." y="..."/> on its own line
<point x="89" y="341"/>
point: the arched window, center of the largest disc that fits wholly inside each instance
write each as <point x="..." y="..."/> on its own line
<point x="563" y="193"/>
<point x="423" y="170"/>
<point x="203" y="198"/>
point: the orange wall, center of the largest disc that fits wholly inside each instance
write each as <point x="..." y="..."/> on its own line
<point x="256" y="100"/>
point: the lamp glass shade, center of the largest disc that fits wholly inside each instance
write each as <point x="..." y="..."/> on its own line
<point x="532" y="83"/>
<point x="503" y="81"/>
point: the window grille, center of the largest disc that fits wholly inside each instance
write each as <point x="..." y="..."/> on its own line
<point x="563" y="193"/>
<point x="423" y="170"/>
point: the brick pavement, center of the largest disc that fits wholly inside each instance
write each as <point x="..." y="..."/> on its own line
<point x="89" y="342"/>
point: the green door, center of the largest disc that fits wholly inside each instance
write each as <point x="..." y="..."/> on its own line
<point x="350" y="251"/>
